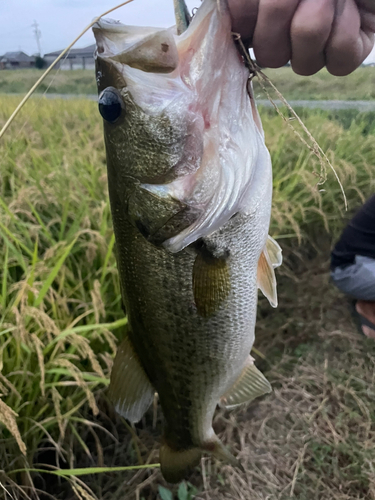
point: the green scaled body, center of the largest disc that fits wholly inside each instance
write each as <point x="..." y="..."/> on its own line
<point x="190" y="187"/>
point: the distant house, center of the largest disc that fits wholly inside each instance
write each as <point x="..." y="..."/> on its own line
<point x="16" y="60"/>
<point x="76" y="58"/>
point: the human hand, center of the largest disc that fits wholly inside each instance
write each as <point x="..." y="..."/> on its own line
<point x="311" y="34"/>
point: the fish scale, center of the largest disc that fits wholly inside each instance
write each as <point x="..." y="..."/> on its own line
<point x="190" y="187"/>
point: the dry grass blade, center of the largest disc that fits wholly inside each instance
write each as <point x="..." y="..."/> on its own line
<point x="82" y="493"/>
<point x="78" y="377"/>
<point x="314" y="146"/>
<point x="39" y="350"/>
<point x="56" y="398"/>
<point x="6" y="492"/>
<point x="8" y="385"/>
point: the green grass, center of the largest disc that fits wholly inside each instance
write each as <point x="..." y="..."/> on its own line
<point x="60" y="304"/>
<point x="60" y="297"/>
<point x="359" y="85"/>
<point x="77" y="81"/>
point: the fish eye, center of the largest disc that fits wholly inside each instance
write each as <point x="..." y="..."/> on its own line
<point x="110" y="105"/>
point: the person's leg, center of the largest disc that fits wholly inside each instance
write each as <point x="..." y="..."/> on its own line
<point x="358" y="281"/>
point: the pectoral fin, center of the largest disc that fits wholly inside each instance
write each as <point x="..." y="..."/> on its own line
<point x="130" y="389"/>
<point x="270" y="258"/>
<point x="211" y="282"/>
<point x="250" y="385"/>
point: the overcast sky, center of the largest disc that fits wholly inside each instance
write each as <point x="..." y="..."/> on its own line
<point x="60" y="21"/>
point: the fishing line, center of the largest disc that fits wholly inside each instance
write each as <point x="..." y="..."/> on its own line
<point x="314" y="147"/>
<point x="31" y="112"/>
<point x="65" y="51"/>
<point x="37" y="102"/>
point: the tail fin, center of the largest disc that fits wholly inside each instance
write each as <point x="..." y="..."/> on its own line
<point x="175" y="465"/>
<point x="219" y="451"/>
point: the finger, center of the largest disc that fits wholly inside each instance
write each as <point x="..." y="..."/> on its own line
<point x="368" y="44"/>
<point x="345" y="47"/>
<point x="367" y="21"/>
<point x="244" y="15"/>
<point x="367" y="5"/>
<point x="309" y="33"/>
<point x="367" y="32"/>
<point x="271" y="41"/>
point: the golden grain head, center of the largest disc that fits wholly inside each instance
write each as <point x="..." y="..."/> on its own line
<point x="8" y="419"/>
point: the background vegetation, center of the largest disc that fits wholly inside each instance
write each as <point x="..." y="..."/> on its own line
<point x="78" y="81"/>
<point x="360" y="85"/>
<point x="61" y="319"/>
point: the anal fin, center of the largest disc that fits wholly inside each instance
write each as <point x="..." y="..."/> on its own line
<point x="249" y="385"/>
<point x="130" y="389"/>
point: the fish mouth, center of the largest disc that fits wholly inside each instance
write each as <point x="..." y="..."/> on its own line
<point x="148" y="48"/>
<point x="152" y="50"/>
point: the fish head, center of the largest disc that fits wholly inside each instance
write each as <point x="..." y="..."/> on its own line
<point x="178" y="123"/>
<point x="146" y="123"/>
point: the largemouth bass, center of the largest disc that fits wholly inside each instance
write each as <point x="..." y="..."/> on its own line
<point x="190" y="187"/>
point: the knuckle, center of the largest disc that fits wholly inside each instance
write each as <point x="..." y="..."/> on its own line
<point x="347" y="48"/>
<point x="311" y="31"/>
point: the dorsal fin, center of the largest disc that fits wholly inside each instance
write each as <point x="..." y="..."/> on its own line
<point x="182" y="15"/>
<point x="269" y="259"/>
<point x="274" y="252"/>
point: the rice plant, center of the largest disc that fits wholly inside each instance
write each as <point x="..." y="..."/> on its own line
<point x="60" y="303"/>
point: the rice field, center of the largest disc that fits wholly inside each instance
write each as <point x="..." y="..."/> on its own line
<point x="359" y="85"/>
<point x="61" y="319"/>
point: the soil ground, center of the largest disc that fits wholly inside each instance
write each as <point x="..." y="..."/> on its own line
<point x="312" y="438"/>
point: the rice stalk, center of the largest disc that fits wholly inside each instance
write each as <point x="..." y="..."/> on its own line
<point x="54" y="214"/>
